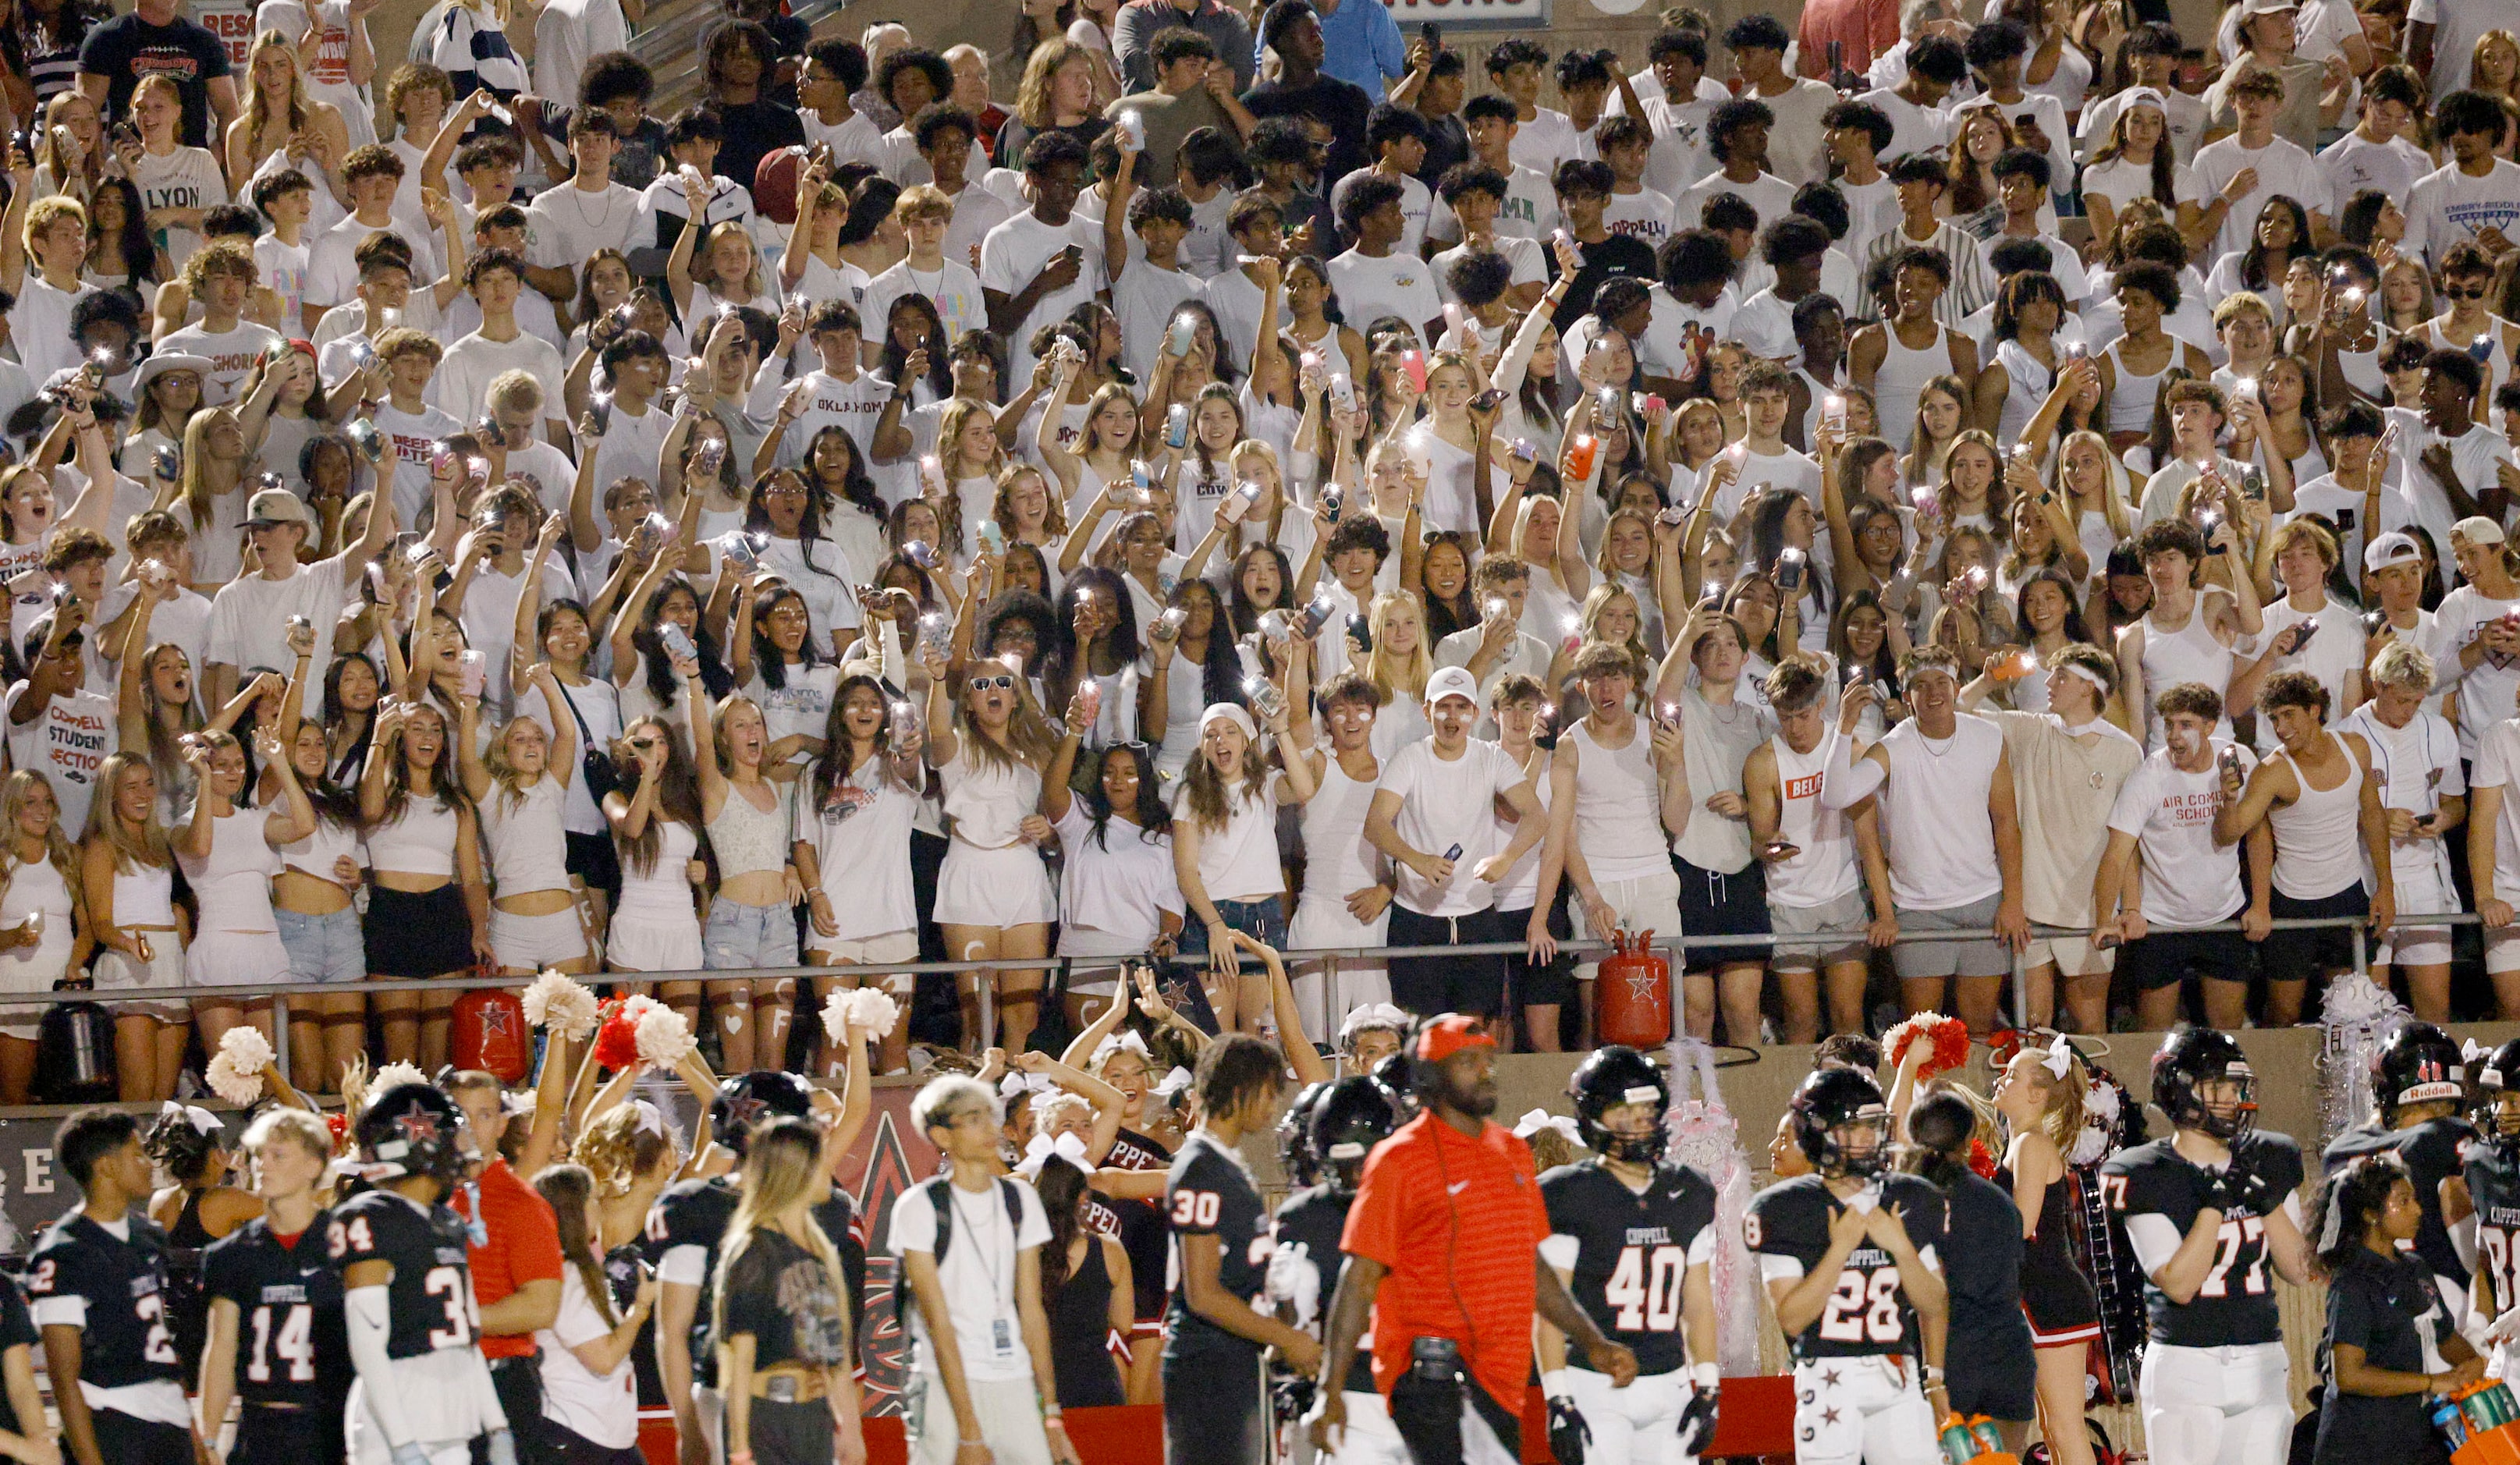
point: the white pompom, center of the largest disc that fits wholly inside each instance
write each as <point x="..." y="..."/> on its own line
<point x="247" y="1047"/>
<point x="665" y="1038"/>
<point x="391" y="1077"/>
<point x="837" y="1013"/>
<point x="232" y="1083"/>
<point x="559" y="1001"/>
<point x="872" y="1009"/>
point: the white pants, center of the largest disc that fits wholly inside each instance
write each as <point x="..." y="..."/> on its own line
<point x="1009" y="1414"/>
<point x="1871" y="1410"/>
<point x="1639" y="1425"/>
<point x="1370" y="1439"/>
<point x="1645" y="903"/>
<point x="2217" y="1406"/>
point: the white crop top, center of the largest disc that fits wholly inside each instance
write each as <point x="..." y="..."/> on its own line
<point x="748" y="838"/>
<point x="316" y="853"/>
<point x="144" y="895"/>
<point x="422" y="842"/>
<point x="527" y="836"/>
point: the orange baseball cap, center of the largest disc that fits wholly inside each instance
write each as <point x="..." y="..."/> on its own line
<point x="1451" y="1033"/>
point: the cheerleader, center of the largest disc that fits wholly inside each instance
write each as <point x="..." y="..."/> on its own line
<point x="589" y="1389"/>
<point x="993" y="899"/>
<point x="312" y="905"/>
<point x="655" y="824"/>
<point x="128" y="867"/>
<point x="779" y="669"/>
<point x="43" y="918"/>
<point x="520" y="787"/>
<point x="1118" y="895"/>
<point x="2039" y="1099"/>
<point x="429" y="912"/>
<point x="1224" y="851"/>
<point x="744" y="798"/>
<point x="1990" y="1353"/>
<point x="852" y="849"/>
<point x="229" y="857"/>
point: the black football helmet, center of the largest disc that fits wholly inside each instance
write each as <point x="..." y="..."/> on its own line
<point x="1398" y="1076"/>
<point x="2497" y="1095"/>
<point x="2416" y="1064"/>
<point x="1834" y="1098"/>
<point x="748" y="1098"/>
<point x="1347" y="1120"/>
<point x="1294" y="1137"/>
<point x="413" y="1130"/>
<point x="1611" y="1076"/>
<point x="2190" y="1058"/>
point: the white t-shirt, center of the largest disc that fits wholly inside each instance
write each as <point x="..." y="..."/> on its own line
<point x="2122" y="181"/>
<point x="1146" y="299"/>
<point x="2354" y="163"/>
<point x="603" y="1408"/>
<point x="231" y="355"/>
<point x="1239" y="862"/>
<point x="2497" y="759"/>
<point x="249" y="617"/>
<point x="2283" y="167"/>
<point x="186" y="178"/>
<point x="860" y="839"/>
<point x="2486" y="690"/>
<point x="1014" y="253"/>
<point x="461" y="388"/>
<point x="2449" y="207"/>
<point x="283" y="267"/>
<point x="67" y="745"/>
<point x="565" y="226"/>
<point x="1442" y="804"/>
<point x="978" y="1272"/>
<point x="1396" y="285"/>
<point x="952" y="288"/>
<point x="415" y="437"/>
<point x="2458" y="25"/>
<point x="2188" y="880"/>
<point x="1771" y="196"/>
<point x="39" y="327"/>
<point x="566" y="35"/>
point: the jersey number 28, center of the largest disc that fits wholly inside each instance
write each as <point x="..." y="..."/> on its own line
<point x="1644" y="1286"/>
<point x="1864" y="1308"/>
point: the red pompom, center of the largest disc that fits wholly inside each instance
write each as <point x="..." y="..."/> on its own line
<point x="616" y="1037"/>
<point x="1981" y="1159"/>
<point x="339" y="1125"/>
<point x="1949" y="1035"/>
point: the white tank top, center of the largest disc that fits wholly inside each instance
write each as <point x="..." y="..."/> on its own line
<point x="32" y="888"/>
<point x="1519" y="890"/>
<point x="987" y="801"/>
<point x="1824" y="870"/>
<point x="1618" y="805"/>
<point x="1900" y="379"/>
<point x="528" y="837"/>
<point x="2319" y="845"/>
<point x="664" y="890"/>
<point x="1340" y="859"/>
<point x="749" y="839"/>
<point x="2132" y="400"/>
<point x="1934" y="820"/>
<point x="2027" y="390"/>
<point x="144" y="895"/>
<point x="316" y="853"/>
<point x="2190" y="653"/>
<point x="422" y="842"/>
<point x="233" y="882"/>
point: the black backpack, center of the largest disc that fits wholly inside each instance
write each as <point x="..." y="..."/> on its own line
<point x="941" y="1202"/>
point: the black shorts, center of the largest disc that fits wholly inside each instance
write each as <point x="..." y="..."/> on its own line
<point x="2298" y="956"/>
<point x="1430" y="985"/>
<point x="794" y="1432"/>
<point x="563" y="1445"/>
<point x="128" y="1441"/>
<point x="424" y="935"/>
<point x="2166" y="958"/>
<point x="1546" y="983"/>
<point x="1715" y="903"/>
<point x="593" y="859"/>
<point x="289" y="1437"/>
<point x="1213" y="1408"/>
<point x="519" y="1382"/>
<point x="1993" y="1372"/>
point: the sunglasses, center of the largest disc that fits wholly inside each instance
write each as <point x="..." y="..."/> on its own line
<point x="1000" y="683"/>
<point x="2451" y="293"/>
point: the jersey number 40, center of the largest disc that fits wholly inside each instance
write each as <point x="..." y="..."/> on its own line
<point x="1644" y="1286"/>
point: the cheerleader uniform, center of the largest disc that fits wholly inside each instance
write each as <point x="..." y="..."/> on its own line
<point x="237" y="939"/>
<point x="527" y="836"/>
<point x="426" y="933"/>
<point x="2055" y="1296"/>
<point x="34" y="889"/>
<point x="656" y="927"/>
<point x="143" y="906"/>
<point x="991" y="878"/>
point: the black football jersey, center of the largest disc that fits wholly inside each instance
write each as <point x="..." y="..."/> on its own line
<point x="2235" y="1304"/>
<point x="624" y="1269"/>
<point x="2431" y="1153"/>
<point x="126" y="1338"/>
<point x="429" y="1302"/>
<point x="292" y="1349"/>
<point x="1867" y="1314"/>
<point x="1304" y="1266"/>
<point x="1633" y="1251"/>
<point x="2493" y="1171"/>
<point x="695" y="1213"/>
<point x="1208" y="1193"/>
<point x="17" y="1326"/>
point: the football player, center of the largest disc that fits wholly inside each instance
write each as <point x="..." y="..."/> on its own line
<point x="683" y="1230"/>
<point x="1630" y="1234"/>
<point x="2417" y="1087"/>
<point x="2489" y="1178"/>
<point x="424" y="1391"/>
<point x="98" y="1282"/>
<point x="1848" y="1255"/>
<point x="2209" y="1212"/>
<point x="1348" y="1118"/>
<point x="1213" y="1334"/>
<point x="276" y="1335"/>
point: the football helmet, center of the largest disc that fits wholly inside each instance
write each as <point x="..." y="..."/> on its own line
<point x="1836" y="1098"/>
<point x="749" y="1098"/>
<point x="2188" y="1059"/>
<point x="1609" y="1078"/>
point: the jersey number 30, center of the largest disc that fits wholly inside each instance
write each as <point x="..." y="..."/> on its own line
<point x="1864" y="1308"/>
<point x="1644" y="1287"/>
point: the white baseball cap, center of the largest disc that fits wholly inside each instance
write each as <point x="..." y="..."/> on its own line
<point x="1453" y="681"/>
<point x="2392" y="547"/>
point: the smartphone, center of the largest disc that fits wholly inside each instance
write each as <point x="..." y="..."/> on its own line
<point x="473" y="672"/>
<point x="2345" y="520"/>
<point x="1432" y="34"/>
<point x="1360" y="630"/>
<point x="1789" y="571"/>
<point x="676" y="641"/>
<point x="1488" y="400"/>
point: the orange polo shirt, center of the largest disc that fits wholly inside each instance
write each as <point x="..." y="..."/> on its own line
<point x="524" y="1247"/>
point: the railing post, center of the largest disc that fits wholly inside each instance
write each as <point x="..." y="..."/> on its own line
<point x="2362" y="953"/>
<point x="2021" y="993"/>
<point x="988" y="978"/>
<point x="280" y="1031"/>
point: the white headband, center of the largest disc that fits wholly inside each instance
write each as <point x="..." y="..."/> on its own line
<point x="2060" y="1053"/>
<point x="1173" y="1082"/>
<point x="1041" y="1147"/>
<point x="1015" y="1084"/>
<point x="201" y="1119"/>
<point x="1229" y="713"/>
<point x="2077" y="669"/>
<point x="1127" y="1042"/>
<point x="1541" y="1118"/>
<point x="652" y="1120"/>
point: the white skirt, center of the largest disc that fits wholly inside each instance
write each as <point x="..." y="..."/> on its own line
<point x="226" y="958"/>
<point x="654" y="943"/>
<point x="1000" y="887"/>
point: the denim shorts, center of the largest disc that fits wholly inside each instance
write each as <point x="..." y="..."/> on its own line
<point x="1263" y="920"/>
<point x="740" y="936"/>
<point x="323" y="948"/>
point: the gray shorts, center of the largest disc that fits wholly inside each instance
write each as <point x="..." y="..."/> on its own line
<point x="1848" y="912"/>
<point x="1985" y="957"/>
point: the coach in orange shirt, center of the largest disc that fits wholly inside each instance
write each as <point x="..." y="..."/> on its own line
<point x="1443" y="1248"/>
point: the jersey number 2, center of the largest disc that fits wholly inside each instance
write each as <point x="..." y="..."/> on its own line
<point x="1864" y="1308"/>
<point x="1645" y="1288"/>
<point x="160" y="1346"/>
<point x="294" y="1341"/>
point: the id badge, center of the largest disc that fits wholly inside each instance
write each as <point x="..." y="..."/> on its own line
<point x="1002" y="1337"/>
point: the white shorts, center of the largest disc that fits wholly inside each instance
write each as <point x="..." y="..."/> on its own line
<point x="1639" y="1425"/>
<point x="1871" y="1409"/>
<point x="869" y="951"/>
<point x="534" y="942"/>
<point x="1647" y="903"/>
<point x="227" y="958"/>
<point x="1370" y="1439"/>
<point x="119" y="973"/>
<point x="2501" y="949"/>
<point x="36" y="971"/>
<point x="1009" y="1416"/>
<point x="2216" y="1405"/>
<point x="1002" y="887"/>
<point x="2419" y="893"/>
<point x="640" y="941"/>
<point x="1102" y="949"/>
<point x="2073" y="956"/>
